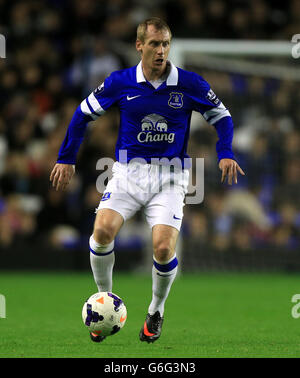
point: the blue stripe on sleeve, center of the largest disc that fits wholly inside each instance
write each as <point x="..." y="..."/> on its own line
<point x="90" y="107"/>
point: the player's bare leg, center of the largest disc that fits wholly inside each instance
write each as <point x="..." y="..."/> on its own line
<point x="163" y="274"/>
<point x="164" y="240"/>
<point x="106" y="226"/>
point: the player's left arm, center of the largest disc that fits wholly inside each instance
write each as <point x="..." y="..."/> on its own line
<point x="227" y="163"/>
<point x="216" y="114"/>
<point x="230" y="169"/>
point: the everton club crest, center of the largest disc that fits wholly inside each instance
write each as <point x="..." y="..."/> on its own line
<point x="176" y="100"/>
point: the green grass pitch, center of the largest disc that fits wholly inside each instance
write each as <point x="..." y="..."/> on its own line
<point x="206" y="315"/>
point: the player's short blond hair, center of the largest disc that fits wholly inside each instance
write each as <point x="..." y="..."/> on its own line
<point x="157" y="22"/>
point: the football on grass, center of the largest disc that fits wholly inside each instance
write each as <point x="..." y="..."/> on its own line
<point x="104" y="313"/>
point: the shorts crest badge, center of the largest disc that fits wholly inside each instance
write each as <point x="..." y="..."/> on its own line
<point x="176" y="100"/>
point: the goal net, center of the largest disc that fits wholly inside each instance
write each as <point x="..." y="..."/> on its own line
<point x="255" y="224"/>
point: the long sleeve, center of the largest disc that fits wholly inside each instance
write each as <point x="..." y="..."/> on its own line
<point x="215" y="113"/>
<point x="90" y="109"/>
<point x="224" y="128"/>
<point x="74" y="137"/>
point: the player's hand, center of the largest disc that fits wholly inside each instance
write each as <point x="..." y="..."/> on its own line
<point x="230" y="169"/>
<point x="61" y="175"/>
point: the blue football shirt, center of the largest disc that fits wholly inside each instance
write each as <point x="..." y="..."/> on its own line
<point x="154" y="123"/>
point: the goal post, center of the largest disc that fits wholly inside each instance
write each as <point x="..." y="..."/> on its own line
<point x="258" y="81"/>
<point x="224" y="53"/>
<point x="228" y="47"/>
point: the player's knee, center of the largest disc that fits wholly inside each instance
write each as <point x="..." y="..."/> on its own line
<point x="104" y="234"/>
<point x="163" y="252"/>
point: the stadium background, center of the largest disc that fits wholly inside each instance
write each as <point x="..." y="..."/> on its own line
<point x="239" y="250"/>
<point x="59" y="51"/>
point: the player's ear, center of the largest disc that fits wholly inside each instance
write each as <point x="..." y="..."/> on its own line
<point x="138" y="45"/>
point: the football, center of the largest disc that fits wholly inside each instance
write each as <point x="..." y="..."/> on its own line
<point x="104" y="313"/>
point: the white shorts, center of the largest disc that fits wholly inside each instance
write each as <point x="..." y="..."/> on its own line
<point x="160" y="190"/>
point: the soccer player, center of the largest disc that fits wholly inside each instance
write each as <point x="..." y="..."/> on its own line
<point x="156" y="100"/>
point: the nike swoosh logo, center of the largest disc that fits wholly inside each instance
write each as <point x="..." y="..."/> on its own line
<point x="131" y="98"/>
<point x="164" y="275"/>
<point x="176" y="217"/>
<point x="146" y="332"/>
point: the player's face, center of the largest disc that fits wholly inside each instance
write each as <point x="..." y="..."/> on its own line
<point x="155" y="49"/>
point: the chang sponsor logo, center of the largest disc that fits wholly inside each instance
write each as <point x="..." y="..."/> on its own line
<point x="144" y="137"/>
<point x="154" y="129"/>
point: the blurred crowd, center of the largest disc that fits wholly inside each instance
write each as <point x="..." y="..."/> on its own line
<point x="60" y="50"/>
<point x="263" y="210"/>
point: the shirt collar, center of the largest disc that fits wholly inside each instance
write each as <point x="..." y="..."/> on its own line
<point x="171" y="80"/>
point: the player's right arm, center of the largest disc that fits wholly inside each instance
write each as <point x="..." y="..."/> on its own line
<point x="90" y="109"/>
<point x="64" y="168"/>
